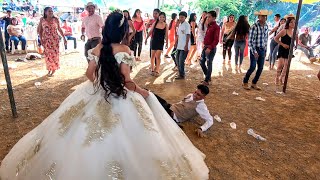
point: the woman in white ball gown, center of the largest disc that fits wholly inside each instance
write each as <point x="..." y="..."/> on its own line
<point x="108" y="129"/>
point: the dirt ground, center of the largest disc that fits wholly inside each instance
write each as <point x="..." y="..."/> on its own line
<point x="290" y="122"/>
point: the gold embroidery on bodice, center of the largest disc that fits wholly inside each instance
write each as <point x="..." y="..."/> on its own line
<point x="67" y="118"/>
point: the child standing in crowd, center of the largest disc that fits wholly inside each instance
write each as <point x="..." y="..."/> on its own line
<point x="159" y="31"/>
<point x="182" y="43"/>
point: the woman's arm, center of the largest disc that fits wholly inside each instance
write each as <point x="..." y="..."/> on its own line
<point x="193" y="30"/>
<point x="40" y="30"/>
<point x="129" y="83"/>
<point x="166" y="36"/>
<point x="273" y="30"/>
<point x="90" y="73"/>
<point x="150" y="32"/>
<point x="222" y="32"/>
<point x="134" y="31"/>
<point x="60" y="30"/>
<point x="10" y="30"/>
<point x="278" y="36"/>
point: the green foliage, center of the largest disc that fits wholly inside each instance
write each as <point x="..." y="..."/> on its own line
<point x="248" y="7"/>
<point x="170" y="8"/>
<point x="111" y="8"/>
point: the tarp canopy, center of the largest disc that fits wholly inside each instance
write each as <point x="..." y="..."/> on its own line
<point x="304" y="1"/>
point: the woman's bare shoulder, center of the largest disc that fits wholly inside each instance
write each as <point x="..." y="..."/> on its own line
<point x="121" y="48"/>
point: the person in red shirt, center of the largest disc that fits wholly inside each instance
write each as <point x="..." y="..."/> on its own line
<point x="211" y="40"/>
<point x="67" y="32"/>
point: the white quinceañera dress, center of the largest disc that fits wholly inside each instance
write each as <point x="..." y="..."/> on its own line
<point x="88" y="138"/>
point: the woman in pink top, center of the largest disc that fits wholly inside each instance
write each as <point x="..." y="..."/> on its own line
<point x="138" y="24"/>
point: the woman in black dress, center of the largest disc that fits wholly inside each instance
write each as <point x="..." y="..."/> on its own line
<point x="159" y="33"/>
<point x="284" y="46"/>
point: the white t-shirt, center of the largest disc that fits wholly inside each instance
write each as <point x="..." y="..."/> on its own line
<point x="17" y="29"/>
<point x="183" y="30"/>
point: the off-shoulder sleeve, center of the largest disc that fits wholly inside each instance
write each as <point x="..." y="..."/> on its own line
<point x="123" y="57"/>
<point x="92" y="57"/>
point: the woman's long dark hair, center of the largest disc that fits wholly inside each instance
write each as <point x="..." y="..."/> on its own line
<point x="192" y="17"/>
<point x="129" y="17"/>
<point x="161" y="13"/>
<point x="242" y="27"/>
<point x="110" y="77"/>
<point x="203" y="23"/>
<point x="288" y="22"/>
<point x="173" y="18"/>
<point x="135" y="13"/>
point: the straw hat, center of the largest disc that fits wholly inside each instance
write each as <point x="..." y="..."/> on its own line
<point x="91" y="4"/>
<point x="263" y="12"/>
<point x="289" y="16"/>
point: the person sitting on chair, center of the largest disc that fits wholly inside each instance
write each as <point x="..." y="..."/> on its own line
<point x="304" y="39"/>
<point x="191" y="106"/>
<point x="16" y="34"/>
<point x="67" y="31"/>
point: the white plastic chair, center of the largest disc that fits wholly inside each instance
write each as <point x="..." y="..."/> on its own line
<point x="30" y="33"/>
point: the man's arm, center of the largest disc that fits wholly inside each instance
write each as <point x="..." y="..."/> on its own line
<point x="204" y="113"/>
<point x="252" y="37"/>
<point x="188" y="33"/>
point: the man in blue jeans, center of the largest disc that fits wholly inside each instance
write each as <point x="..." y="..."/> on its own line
<point x="258" y="40"/>
<point x="182" y="43"/>
<point x="211" y="39"/>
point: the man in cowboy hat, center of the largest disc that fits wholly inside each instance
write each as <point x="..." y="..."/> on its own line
<point x="258" y="41"/>
<point x="91" y="25"/>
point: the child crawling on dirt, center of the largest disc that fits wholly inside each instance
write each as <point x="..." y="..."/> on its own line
<point x="191" y="106"/>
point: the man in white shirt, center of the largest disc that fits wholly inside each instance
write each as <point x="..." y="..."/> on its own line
<point x="182" y="43"/>
<point x="190" y="107"/>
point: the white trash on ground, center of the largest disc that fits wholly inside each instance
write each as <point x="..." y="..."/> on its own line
<point x="266" y="84"/>
<point x="217" y="118"/>
<point x="233" y="125"/>
<point x="235" y="93"/>
<point x="37" y="84"/>
<point x="260" y="99"/>
<point x="255" y="135"/>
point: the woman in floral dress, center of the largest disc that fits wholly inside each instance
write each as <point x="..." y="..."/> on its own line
<point x="48" y="31"/>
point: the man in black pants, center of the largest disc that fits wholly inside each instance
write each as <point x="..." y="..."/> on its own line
<point x="191" y="106"/>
